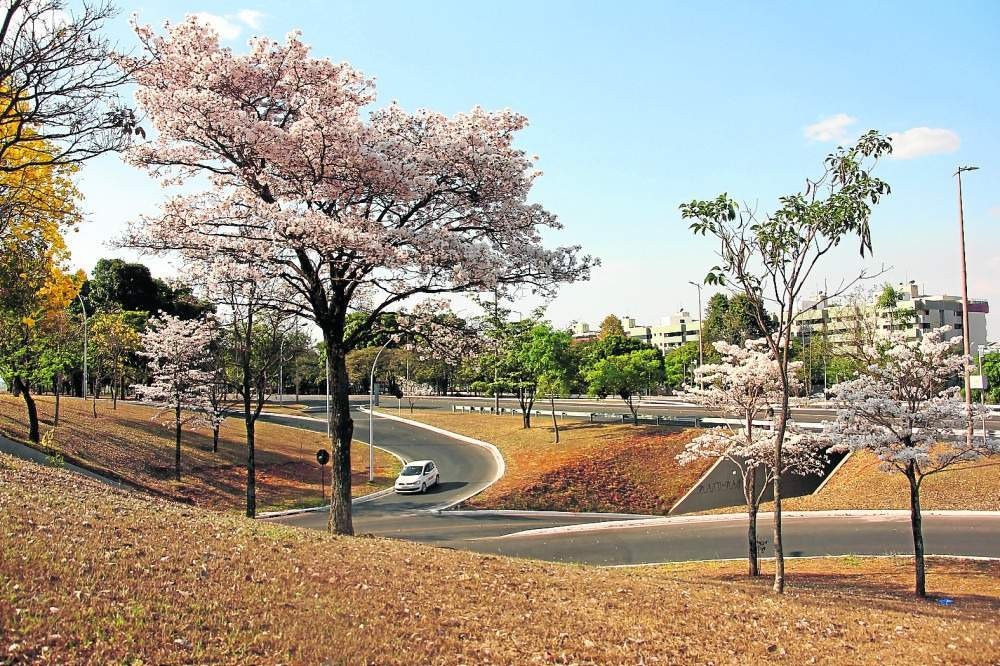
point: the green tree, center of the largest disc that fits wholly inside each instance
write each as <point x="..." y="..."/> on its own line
<point x="731" y="319"/>
<point x="678" y="364"/>
<point x="547" y="356"/>
<point x="771" y="257"/>
<point x="114" y="342"/>
<point x="991" y="370"/>
<point x="625" y="376"/>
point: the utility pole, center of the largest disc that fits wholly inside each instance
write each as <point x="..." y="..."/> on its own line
<point x="966" y="342"/>
<point x="371" y="413"/>
<point x="281" y="370"/>
<point x="701" y="333"/>
<point x="83" y="308"/>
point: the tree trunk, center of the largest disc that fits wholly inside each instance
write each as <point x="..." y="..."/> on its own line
<point x="342" y="428"/>
<point x="555" y="423"/>
<point x="114" y="394"/>
<point x="93" y="397"/>
<point x="24" y="390"/>
<point x="779" y="439"/>
<point x="920" y="587"/>
<point x="215" y="438"/>
<point x="58" y="386"/>
<point x="251" y="427"/>
<point x="496" y="402"/>
<point x="632" y="408"/>
<point x="750" y="493"/>
<point x="177" y="440"/>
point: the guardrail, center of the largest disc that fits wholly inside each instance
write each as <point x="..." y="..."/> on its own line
<point x="664" y="421"/>
<point x="643" y="419"/>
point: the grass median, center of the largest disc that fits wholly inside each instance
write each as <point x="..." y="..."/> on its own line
<point x="89" y="574"/>
<point x="860" y="483"/>
<point x="594" y="467"/>
<point x="128" y="443"/>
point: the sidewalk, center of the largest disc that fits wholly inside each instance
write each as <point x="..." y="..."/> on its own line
<point x="27" y="453"/>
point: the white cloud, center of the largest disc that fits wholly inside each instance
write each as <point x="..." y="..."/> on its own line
<point x="221" y="24"/>
<point x="832" y="128"/>
<point x="251" y="17"/>
<point x="920" y="141"/>
<point x="229" y="26"/>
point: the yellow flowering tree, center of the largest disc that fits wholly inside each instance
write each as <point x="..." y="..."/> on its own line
<point x="37" y="208"/>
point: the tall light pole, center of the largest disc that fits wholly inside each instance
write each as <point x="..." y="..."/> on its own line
<point x="371" y="414"/>
<point x="966" y="342"/>
<point x="83" y="308"/>
<point x="701" y="331"/>
<point x="281" y="370"/>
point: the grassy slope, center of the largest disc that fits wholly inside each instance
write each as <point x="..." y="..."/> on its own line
<point x="595" y="467"/>
<point x="132" y="444"/>
<point x="861" y="484"/>
<point x="89" y="574"/>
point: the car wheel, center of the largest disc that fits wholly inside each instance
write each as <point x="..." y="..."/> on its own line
<point x="423" y="488"/>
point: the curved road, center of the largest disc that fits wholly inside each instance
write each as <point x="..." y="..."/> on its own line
<point x="614" y="539"/>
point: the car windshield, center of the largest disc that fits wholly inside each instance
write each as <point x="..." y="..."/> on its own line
<point x="413" y="470"/>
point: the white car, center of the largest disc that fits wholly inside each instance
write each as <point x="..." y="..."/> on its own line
<point x="417" y="477"/>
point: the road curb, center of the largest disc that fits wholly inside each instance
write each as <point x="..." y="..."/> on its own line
<point x="644" y="522"/>
<point x="326" y="507"/>
<point x="929" y="556"/>
<point x="497" y="456"/>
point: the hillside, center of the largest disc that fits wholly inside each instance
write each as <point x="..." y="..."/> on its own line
<point x="131" y="444"/>
<point x="90" y="574"/>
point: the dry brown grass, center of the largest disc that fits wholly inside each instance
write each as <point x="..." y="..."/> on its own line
<point x="860" y="484"/>
<point x="127" y="443"/>
<point x="93" y="575"/>
<point x="595" y="467"/>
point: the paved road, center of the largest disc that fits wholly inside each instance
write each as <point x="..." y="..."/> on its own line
<point x="652" y="407"/>
<point x="633" y="541"/>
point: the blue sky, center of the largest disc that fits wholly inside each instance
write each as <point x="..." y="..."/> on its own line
<point x="637" y="107"/>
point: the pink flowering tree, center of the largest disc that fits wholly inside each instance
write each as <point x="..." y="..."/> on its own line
<point x="743" y="387"/>
<point x="178" y="351"/>
<point x="904" y="408"/>
<point x="354" y="210"/>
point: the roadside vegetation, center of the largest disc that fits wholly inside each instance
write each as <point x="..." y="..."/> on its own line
<point x="94" y="575"/>
<point x="126" y="443"/>
<point x="594" y="467"/>
<point x="861" y="484"/>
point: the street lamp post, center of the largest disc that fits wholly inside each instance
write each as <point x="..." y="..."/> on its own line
<point x="371" y="414"/>
<point x="966" y="342"/>
<point x="701" y="332"/>
<point x="83" y="308"/>
<point x="281" y="370"/>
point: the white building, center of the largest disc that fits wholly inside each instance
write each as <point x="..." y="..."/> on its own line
<point x="672" y="332"/>
<point x="840" y="320"/>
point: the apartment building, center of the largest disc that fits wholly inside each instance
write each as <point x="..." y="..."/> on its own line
<point x="839" y="320"/>
<point x="672" y="332"/>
